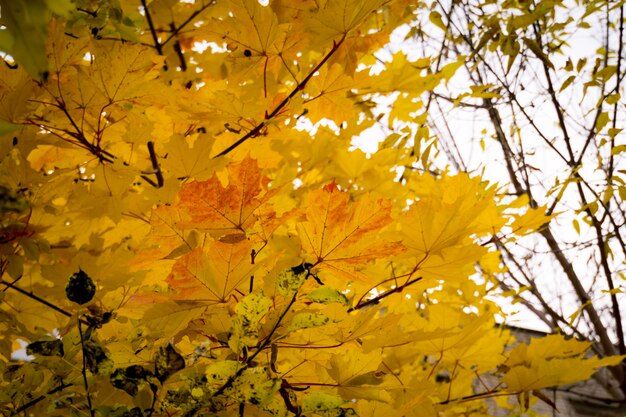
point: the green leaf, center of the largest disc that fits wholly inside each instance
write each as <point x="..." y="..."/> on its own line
<point x="614" y="131"/>
<point x="127" y="32"/>
<point x="27" y="22"/>
<point x="320" y="402"/>
<point x="46" y="348"/>
<point x="307" y="320"/>
<point x="253" y="307"/>
<point x="327" y="295"/>
<point x="618" y="149"/>
<point x="167" y="361"/>
<point x="11" y="201"/>
<point x="15" y="267"/>
<point x="98" y="362"/>
<point x="7" y="127"/>
<point x="614" y="291"/>
<point x="437" y="20"/>
<point x="602" y="121"/>
<point x="622" y="192"/>
<point x="218" y="372"/>
<point x="6" y="43"/>
<point x="244" y="330"/>
<point x="450" y="69"/>
<point x="130" y="378"/>
<point x="613" y="98"/>
<point x="567" y="82"/>
<point x="119" y="411"/>
<point x="255" y="386"/>
<point x="368" y="378"/>
<point x="60" y="7"/>
<point x="485" y="38"/>
<point x="289" y="282"/>
<point x="606" y="73"/>
<point x="534" y="47"/>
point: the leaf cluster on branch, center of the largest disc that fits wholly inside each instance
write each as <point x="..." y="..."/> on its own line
<point x="186" y="228"/>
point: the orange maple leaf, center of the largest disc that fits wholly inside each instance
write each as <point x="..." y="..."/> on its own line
<point x="213" y="273"/>
<point x="229" y="212"/>
<point x="342" y="236"/>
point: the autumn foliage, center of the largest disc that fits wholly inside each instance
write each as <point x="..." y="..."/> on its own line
<point x="181" y="236"/>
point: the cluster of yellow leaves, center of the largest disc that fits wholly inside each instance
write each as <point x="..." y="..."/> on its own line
<point x="551" y="361"/>
<point x="238" y="260"/>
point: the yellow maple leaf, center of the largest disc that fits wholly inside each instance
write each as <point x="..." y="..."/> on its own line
<point x="357" y="375"/>
<point x="341" y="236"/>
<point x="329" y="96"/>
<point x="438" y="228"/>
<point x="554" y="372"/>
<point x="213" y="273"/>
<point x="165" y="233"/>
<point x="551" y="361"/>
<point x="531" y="221"/>
<point x="338" y="17"/>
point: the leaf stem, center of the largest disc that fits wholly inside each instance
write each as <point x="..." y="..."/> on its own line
<point x="157" y="44"/>
<point x="150" y="411"/>
<point x="39" y="299"/>
<point x="84" y="370"/>
<point x="96" y="150"/>
<point x="478" y="396"/>
<point x="176" y="30"/>
<point x="376" y="299"/>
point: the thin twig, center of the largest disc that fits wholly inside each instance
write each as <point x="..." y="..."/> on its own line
<point x="187" y="21"/>
<point x="179" y="51"/>
<point x="557" y="106"/>
<point x="157" y="45"/>
<point x="39" y="299"/>
<point x="150" y="411"/>
<point x="34" y="402"/>
<point x="617" y="85"/>
<point x="80" y="136"/>
<point x="478" y="396"/>
<point x="377" y="299"/>
<point x="257" y="129"/>
<point x="92" y="412"/>
<point x="156" y="169"/>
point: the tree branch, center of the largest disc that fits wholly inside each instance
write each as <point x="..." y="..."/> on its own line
<point x="301" y="85"/>
<point x="39" y="299"/>
<point x="386" y="294"/>
<point x="266" y="342"/>
<point x="92" y="412"/>
<point x="553" y="98"/>
<point x="155" y="38"/>
<point x="34" y="402"/>
<point x="176" y="30"/>
<point x="620" y="51"/>
<point x="567" y="267"/>
<point x="156" y="169"/>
